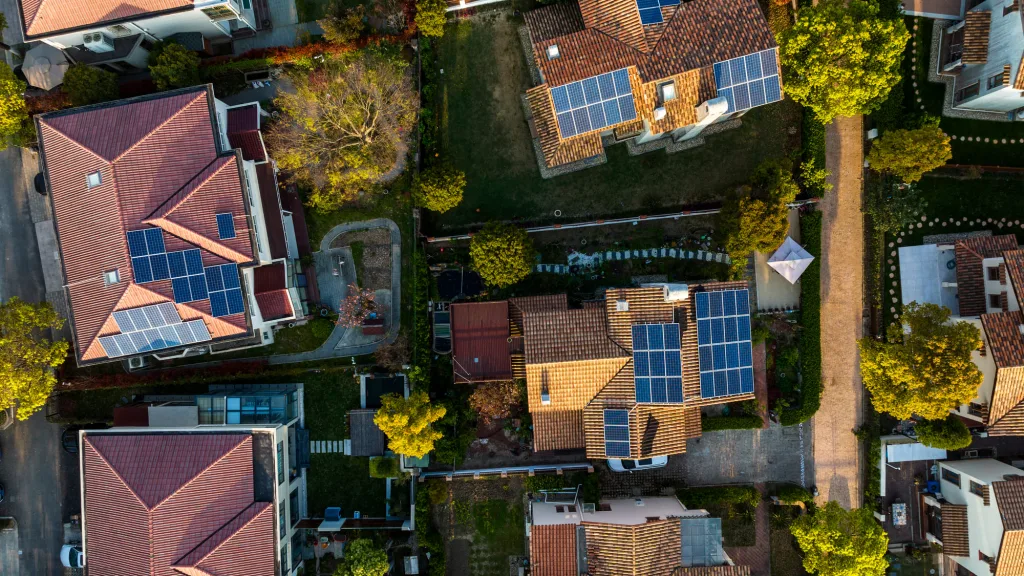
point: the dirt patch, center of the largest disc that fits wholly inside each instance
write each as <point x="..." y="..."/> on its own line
<point x="371" y="250"/>
<point x="457" y="557"/>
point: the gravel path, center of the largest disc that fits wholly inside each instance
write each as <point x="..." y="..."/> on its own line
<point x="836" y="449"/>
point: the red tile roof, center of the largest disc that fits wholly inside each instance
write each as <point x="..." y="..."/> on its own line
<point x="45" y="17"/>
<point x="244" y="132"/>
<point x="275" y="305"/>
<point x="480" y="347"/>
<point x="970" y="274"/>
<point x="553" y="550"/>
<point x="163" y="504"/>
<point x="270" y="199"/>
<point x="161" y="167"/>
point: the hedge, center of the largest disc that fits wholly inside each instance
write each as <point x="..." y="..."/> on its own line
<point x="810" y="334"/>
<point x="384" y="467"/>
<point x="793" y="493"/>
<point x="732" y="422"/>
<point x="813" y="139"/>
<point x="704" y="497"/>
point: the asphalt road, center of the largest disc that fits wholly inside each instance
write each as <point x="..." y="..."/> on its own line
<point x="39" y="477"/>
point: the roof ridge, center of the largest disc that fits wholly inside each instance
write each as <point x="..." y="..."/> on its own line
<point x="204" y="470"/>
<point x="43" y="121"/>
<point x="192" y="237"/>
<point x="119" y="477"/>
<point x="157" y="128"/>
<point x="256" y="514"/>
<point x="199" y="182"/>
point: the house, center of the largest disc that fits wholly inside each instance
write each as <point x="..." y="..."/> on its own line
<point x="978" y="517"/>
<point x="653" y="536"/>
<point x="176" y="497"/>
<point x="982" y="52"/>
<point x="626" y="376"/>
<point x="170" y="237"/>
<point x="642" y="70"/>
<point x="118" y="36"/>
<point x="979" y="279"/>
<point x="482" y="344"/>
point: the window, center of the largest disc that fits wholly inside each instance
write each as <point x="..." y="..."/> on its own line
<point x="111" y="277"/>
<point x="993" y="81"/>
<point x="994" y="301"/>
<point x="296" y="548"/>
<point x="951" y="477"/>
<point x="968" y="92"/>
<point x="284" y="559"/>
<point x="283" y="528"/>
<point x="1010" y="8"/>
<point x="280" y="462"/>
<point x="993" y="273"/>
<point x="553" y="52"/>
<point x="93" y="180"/>
<point x="225" y="226"/>
<point x="604" y="507"/>
<point x="220" y="12"/>
<point x="982" y="352"/>
<point x="984" y="557"/>
<point x="559" y="509"/>
<point x="293" y="506"/>
<point x="247" y="4"/>
<point x="211" y="409"/>
<point x="974" y="408"/>
<point x="571" y="508"/>
<point x="977" y="489"/>
<point x="667" y="92"/>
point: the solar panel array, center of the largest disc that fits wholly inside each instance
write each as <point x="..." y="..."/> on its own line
<point x="657" y="367"/>
<point x="750" y="80"/>
<point x="187" y="277"/>
<point x="225" y="226"/>
<point x="593" y="103"/>
<point x="616" y="433"/>
<point x="723" y="342"/>
<point x="224" y="290"/>
<point x="149" y="257"/>
<point x="650" y="10"/>
<point x="151" y="328"/>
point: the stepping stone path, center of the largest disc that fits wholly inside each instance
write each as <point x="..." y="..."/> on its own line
<point x="613" y="255"/>
<point x="329" y="446"/>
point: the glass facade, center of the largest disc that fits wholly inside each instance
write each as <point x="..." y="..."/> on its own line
<point x="293" y="506"/>
<point x="280" y="462"/>
<point x="272" y="407"/>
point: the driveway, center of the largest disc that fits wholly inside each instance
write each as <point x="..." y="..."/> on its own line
<point x="40" y="478"/>
<point x="775" y="454"/>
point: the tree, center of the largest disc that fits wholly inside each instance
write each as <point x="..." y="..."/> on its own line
<point x="407" y="422"/>
<point x="892" y="205"/>
<point x="838" y="542"/>
<point x="494" y="400"/>
<point x="431" y="16"/>
<point x="342" y="25"/>
<point x="840" y="58"/>
<point x="757" y="217"/>
<point x="949" y="433"/>
<point x="343" y="128"/>
<point x="16" y="128"/>
<point x="501" y="253"/>
<point x="86" y="85"/>
<point x="27" y="359"/>
<point x="439" y="188"/>
<point x="393" y="356"/>
<point x="356" y="306"/>
<point x="175" y="67"/>
<point x="908" y="154"/>
<point x="363" y="558"/>
<point x="925" y="368"/>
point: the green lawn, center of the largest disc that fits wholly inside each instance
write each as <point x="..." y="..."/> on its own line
<point x="932" y="94"/>
<point x="484" y="132"/>
<point x="786" y="559"/>
<point x="499" y="534"/>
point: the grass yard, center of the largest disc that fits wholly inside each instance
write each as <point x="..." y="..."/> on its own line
<point x="482" y="523"/>
<point x="484" y="132"/>
<point x="786" y="559"/>
<point x="932" y="94"/>
<point x="310" y="10"/>
<point x="499" y="534"/>
<point x="738" y="528"/>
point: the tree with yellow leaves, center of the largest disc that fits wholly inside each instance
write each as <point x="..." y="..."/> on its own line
<point x="925" y="367"/>
<point x="757" y="216"/>
<point x="27" y="359"/>
<point x="407" y="422"/>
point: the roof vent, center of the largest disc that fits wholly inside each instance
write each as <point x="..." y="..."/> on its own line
<point x="476" y="360"/>
<point x="622" y="305"/>
<point x="659" y="113"/>
<point x="1021" y="328"/>
<point x="93" y="180"/>
<point x="639" y="501"/>
<point x="545" y="397"/>
<point x="111" y="277"/>
<point x="553" y="52"/>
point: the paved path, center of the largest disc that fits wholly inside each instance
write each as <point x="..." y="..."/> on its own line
<point x="758" y="556"/>
<point x="836" y="449"/>
<point x="334" y="347"/>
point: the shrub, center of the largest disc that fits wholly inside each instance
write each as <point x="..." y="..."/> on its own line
<point x="175" y="67"/>
<point x="437" y="490"/>
<point x="502" y="254"/>
<point x="494" y="400"/>
<point x="16" y="129"/>
<point x="909" y="154"/>
<point x="439" y="188"/>
<point x="793" y="493"/>
<point x="342" y="25"/>
<point x="810" y="333"/>
<point x="384" y="467"/>
<point x="86" y="85"/>
<point x="431" y="16"/>
<point x="711" y="495"/>
<point x="948" y="434"/>
<point x="732" y="422"/>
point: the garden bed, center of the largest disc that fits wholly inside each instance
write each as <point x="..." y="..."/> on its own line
<point x="371" y="255"/>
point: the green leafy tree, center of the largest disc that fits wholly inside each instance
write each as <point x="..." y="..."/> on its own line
<point x="431" y="16"/>
<point x="502" y="254"/>
<point x="838" y="542"/>
<point x="408" y="423"/>
<point x="925" y="368"/>
<point x="908" y="154"/>
<point x="363" y="558"/>
<point x="86" y="85"/>
<point x="814" y="179"/>
<point x="15" y="126"/>
<point x="949" y="433"/>
<point x="343" y="127"/>
<point x="893" y="205"/>
<point x="175" y="67"/>
<point x="439" y="188"/>
<point x="840" y="58"/>
<point x="27" y="359"/>
<point x="342" y="25"/>
<point x="757" y="217"/>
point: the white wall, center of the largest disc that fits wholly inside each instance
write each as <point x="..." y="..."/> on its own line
<point x="1005" y="45"/>
<point x="624" y="512"/>
<point x="987" y="365"/>
<point x="158" y="27"/>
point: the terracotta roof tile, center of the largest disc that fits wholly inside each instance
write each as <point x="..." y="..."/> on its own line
<point x="275" y="305"/>
<point x="1004" y="337"/>
<point x="268" y="278"/>
<point x="970" y="274"/>
<point x="954" y="530"/>
<point x="1011" y="424"/>
<point x="273" y="216"/>
<point x="976" y="30"/>
<point x="244" y="132"/>
<point x="557" y="430"/>
<point x="555" y="150"/>
<point x="43" y="17"/>
<point x="553" y="550"/>
<point x="1011" y="554"/>
<point x="651" y="549"/>
<point x="553" y="21"/>
<point x="713" y="571"/>
<point x="480" y="347"/>
<point x="1010" y="500"/>
<point x="1014" y="268"/>
<point x="618" y="19"/>
<point x="567" y="336"/>
<point x="569" y="385"/>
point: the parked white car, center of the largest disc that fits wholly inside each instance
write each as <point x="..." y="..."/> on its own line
<point x="634" y="465"/>
<point x="71" y="556"/>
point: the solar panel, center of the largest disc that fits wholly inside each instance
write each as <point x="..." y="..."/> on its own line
<point x="149" y="328"/>
<point x="616" y="433"/>
<point x="225" y="226"/>
<point x="650" y="10"/>
<point x="594" y="103"/>
<point x="224" y="290"/>
<point x="657" y="365"/>
<point x="725" y="353"/>
<point x="750" y="80"/>
<point x="151" y="262"/>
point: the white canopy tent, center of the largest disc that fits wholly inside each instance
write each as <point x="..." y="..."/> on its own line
<point x="44" y="66"/>
<point x="790" y="260"/>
